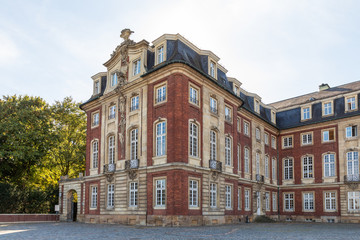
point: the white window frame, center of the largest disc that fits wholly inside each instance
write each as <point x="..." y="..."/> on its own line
<point x="112" y="111"/>
<point x="274" y="201"/>
<point x="352" y="163"/>
<point x="273" y="142"/>
<point x="134" y="144"/>
<point x="329" y="165"/>
<point x="330" y="201"/>
<point x="306" y="138"/>
<point x="96" y="119"/>
<point x="228" y="196"/>
<point x="96" y="87"/>
<point x="289" y="204"/>
<point x="267" y="201"/>
<point x="160" y="139"/>
<point x="160" y="54"/>
<point x="95" y="153"/>
<point x="351" y="131"/>
<point x="111" y="149"/>
<point x="288" y="169"/>
<point x="256" y="106"/>
<point x="266" y="138"/>
<point x="228" y="114"/>
<point x="308" y="166"/>
<point x="160" y="193"/>
<point x="328" y="109"/>
<point x="239" y="198"/>
<point x="136" y="67"/>
<point x="246" y="160"/>
<point x="306" y="113"/>
<point x="212" y="69"/>
<point x="114" y="79"/>
<point x="193" y="193"/>
<point x="288" y="141"/>
<point x="213" y="145"/>
<point x="308" y="200"/>
<point x="111" y="196"/>
<point x="94" y="194"/>
<point x="213" y="195"/>
<point x="257" y="159"/>
<point x="160" y="93"/>
<point x="326" y="135"/>
<point x="257" y="134"/>
<point x="351" y="103"/>
<point x="246" y="128"/>
<point x="194" y="95"/>
<point x="134" y="103"/>
<point x="266" y="166"/>
<point x="228" y="153"/>
<point x="354" y="201"/>
<point x="194" y="140"/>
<point x="247" y="199"/>
<point x="133" y="194"/>
<point x="273" y="168"/>
<point x="213" y="105"/>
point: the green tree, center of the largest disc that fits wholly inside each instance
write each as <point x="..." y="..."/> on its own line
<point x="25" y="138"/>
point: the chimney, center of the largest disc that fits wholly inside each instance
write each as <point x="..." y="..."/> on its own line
<point x="323" y="87"/>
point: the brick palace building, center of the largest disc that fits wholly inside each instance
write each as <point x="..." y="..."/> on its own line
<point x="172" y="140"/>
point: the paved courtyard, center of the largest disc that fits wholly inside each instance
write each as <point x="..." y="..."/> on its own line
<point x="80" y="231"/>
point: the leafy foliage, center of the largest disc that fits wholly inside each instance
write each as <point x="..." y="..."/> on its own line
<point x="38" y="144"/>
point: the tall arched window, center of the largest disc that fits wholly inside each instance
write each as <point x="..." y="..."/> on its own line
<point x="134" y="144"/>
<point x="111" y="157"/>
<point x="95" y="153"/>
<point x="212" y="145"/>
<point x="160" y="138"/>
<point x="228" y="151"/>
<point x="193" y="140"/>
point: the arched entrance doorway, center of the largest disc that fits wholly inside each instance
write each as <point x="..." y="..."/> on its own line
<point x="71" y="205"/>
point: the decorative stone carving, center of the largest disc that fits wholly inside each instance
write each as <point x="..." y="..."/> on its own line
<point x="109" y="177"/>
<point x="214" y="175"/>
<point x="132" y="174"/>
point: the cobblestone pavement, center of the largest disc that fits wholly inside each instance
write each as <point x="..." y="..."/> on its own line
<point x="80" y="231"/>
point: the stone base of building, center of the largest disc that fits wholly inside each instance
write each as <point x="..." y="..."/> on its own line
<point x="309" y="218"/>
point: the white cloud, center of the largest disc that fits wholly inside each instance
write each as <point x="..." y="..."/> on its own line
<point x="9" y="52"/>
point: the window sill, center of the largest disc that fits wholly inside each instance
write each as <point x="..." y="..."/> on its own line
<point x="307" y="144"/>
<point x="194" y="208"/>
<point x="95" y="126"/>
<point x="159" y="207"/>
<point x="328" y="115"/>
<point x="160" y="104"/>
<point x="159" y="160"/>
<point x="110" y="208"/>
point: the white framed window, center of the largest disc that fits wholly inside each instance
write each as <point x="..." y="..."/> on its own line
<point x="352" y="159"/>
<point x="330" y="201"/>
<point x="134" y="144"/>
<point x="308" y="167"/>
<point x="274" y="201"/>
<point x="329" y="165"/>
<point x="136" y="67"/>
<point x="238" y="124"/>
<point x="213" y="145"/>
<point x="257" y="134"/>
<point x="257" y="106"/>
<point x="95" y="119"/>
<point x="306" y="113"/>
<point x="273" y="116"/>
<point x="289" y="201"/>
<point x="160" y="192"/>
<point x="308" y="201"/>
<point x="228" y="151"/>
<point x="238" y="156"/>
<point x="246" y="128"/>
<point x="351" y="131"/>
<point x="266" y="166"/>
<point x="112" y="111"/>
<point x="213" y="195"/>
<point x="353" y="201"/>
<point x="160" y="54"/>
<point x="246" y="160"/>
<point x="327" y="108"/>
<point x="193" y="193"/>
<point x="257" y="158"/>
<point x="134" y="103"/>
<point x="194" y="96"/>
<point x="212" y="69"/>
<point x="267" y="201"/>
<point x="239" y="198"/>
<point x="96" y="87"/>
<point x="266" y="138"/>
<point x="288" y="168"/>
<point x="133" y="194"/>
<point x="110" y="195"/>
<point x="111" y="148"/>
<point x="306" y="138"/>
<point x="273" y="142"/>
<point x="247" y="199"/>
<point x="93" y="197"/>
<point x="328" y="135"/>
<point x="114" y="80"/>
<point x="95" y="153"/>
<point x="351" y="103"/>
<point x="160" y="94"/>
<point x="160" y="139"/>
<point x="228" y="196"/>
<point x="287" y="142"/>
<point x="213" y="105"/>
<point x="193" y="135"/>
<point x="227" y="113"/>
<point x="273" y="168"/>
<point x="236" y="90"/>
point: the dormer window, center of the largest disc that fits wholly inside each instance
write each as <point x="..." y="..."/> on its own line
<point x="257" y="106"/>
<point x="305" y="113"/>
<point x="236" y="90"/>
<point x="273" y="117"/>
<point x="114" y="79"/>
<point x="136" y="67"/>
<point x="97" y="87"/>
<point x="160" y="54"/>
<point x="212" y="69"/>
<point x="351" y="103"/>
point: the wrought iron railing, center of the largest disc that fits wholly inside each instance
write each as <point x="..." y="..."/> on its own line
<point x="131" y="164"/>
<point x="109" y="168"/>
<point x="215" y="165"/>
<point x="352" y="178"/>
<point x="259" y="178"/>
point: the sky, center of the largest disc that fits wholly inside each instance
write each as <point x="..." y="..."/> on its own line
<point x="277" y="49"/>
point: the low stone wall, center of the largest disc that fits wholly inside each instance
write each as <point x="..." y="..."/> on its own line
<point x="13" y="218"/>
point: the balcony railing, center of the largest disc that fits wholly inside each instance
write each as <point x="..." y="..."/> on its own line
<point x="352" y="178"/>
<point x="109" y="168"/>
<point x="259" y="178"/>
<point x="215" y="165"/>
<point x="131" y="164"/>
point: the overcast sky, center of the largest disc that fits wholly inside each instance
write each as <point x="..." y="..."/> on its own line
<point x="276" y="48"/>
